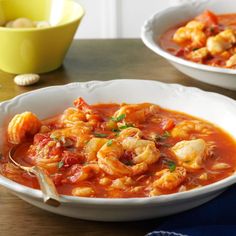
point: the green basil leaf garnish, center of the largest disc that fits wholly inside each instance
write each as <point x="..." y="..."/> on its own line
<point x="99" y="135"/>
<point x="109" y="143"/>
<point x="118" y="118"/>
<point x="60" y="164"/>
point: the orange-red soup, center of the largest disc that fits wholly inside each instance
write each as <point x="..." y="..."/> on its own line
<point x="208" y="39"/>
<point x="122" y="151"/>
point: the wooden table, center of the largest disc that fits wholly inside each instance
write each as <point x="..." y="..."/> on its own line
<point x="88" y="60"/>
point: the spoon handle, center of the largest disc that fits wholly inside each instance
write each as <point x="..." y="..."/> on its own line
<point x="50" y="195"/>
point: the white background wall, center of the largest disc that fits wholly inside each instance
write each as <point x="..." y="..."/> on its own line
<point x="116" y="18"/>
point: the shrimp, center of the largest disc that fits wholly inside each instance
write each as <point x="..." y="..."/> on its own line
<point x="170" y="180"/>
<point x="139" y="168"/>
<point x="190" y="153"/>
<point x="92" y="147"/>
<point x="145" y="153"/>
<point x="221" y="42"/>
<point x="195" y="25"/>
<point x="108" y="160"/>
<point x="198" y="54"/>
<point x="21" y="126"/>
<point x="192" y="32"/>
<point x="195" y="36"/>
<point x="78" y="173"/>
<point x="137" y="112"/>
<point x="231" y="61"/>
<point x="72" y="117"/>
<point x="145" y="150"/>
<point x="82" y="105"/>
<point x="92" y="116"/>
<point x="129" y="132"/>
<point x="188" y="127"/>
<point x="80" y="133"/>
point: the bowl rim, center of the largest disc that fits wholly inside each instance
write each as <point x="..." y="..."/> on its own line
<point x="148" y="40"/>
<point x="22" y="30"/>
<point x="143" y="201"/>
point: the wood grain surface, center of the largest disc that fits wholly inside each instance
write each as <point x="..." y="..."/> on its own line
<point x="88" y="60"/>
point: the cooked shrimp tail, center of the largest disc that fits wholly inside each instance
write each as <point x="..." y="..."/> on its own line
<point x="21" y="126"/>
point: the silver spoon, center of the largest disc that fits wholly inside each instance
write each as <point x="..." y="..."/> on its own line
<point x="50" y="195"/>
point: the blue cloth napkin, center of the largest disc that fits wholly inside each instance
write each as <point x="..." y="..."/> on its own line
<point x="214" y="218"/>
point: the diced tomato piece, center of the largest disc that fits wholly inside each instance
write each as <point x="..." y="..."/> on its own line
<point x="42" y="140"/>
<point x="40" y="137"/>
<point x="70" y="158"/>
<point x="55" y="150"/>
<point x="168" y="124"/>
<point x="212" y="30"/>
<point x="73" y="174"/>
<point x="96" y="118"/>
<point x="57" y="179"/>
<point x="73" y="169"/>
<point x="27" y="176"/>
<point x="179" y="52"/>
<point x="208" y="17"/>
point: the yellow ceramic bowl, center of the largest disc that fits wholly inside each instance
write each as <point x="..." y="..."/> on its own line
<point x="37" y="50"/>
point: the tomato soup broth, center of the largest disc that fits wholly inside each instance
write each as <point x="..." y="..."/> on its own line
<point x="121" y="151"/>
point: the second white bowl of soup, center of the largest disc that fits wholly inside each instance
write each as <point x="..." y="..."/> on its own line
<point x="158" y="31"/>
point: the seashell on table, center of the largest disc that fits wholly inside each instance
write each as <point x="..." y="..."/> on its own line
<point x="26" y="79"/>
